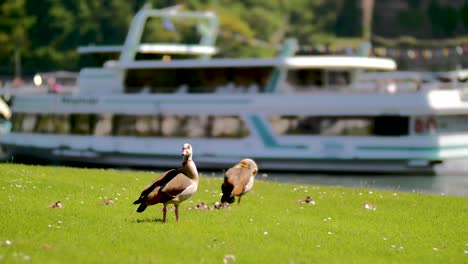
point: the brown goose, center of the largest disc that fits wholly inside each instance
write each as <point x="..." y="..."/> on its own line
<point x="238" y="180"/>
<point x="173" y="186"/>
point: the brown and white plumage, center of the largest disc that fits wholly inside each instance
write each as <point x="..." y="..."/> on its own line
<point x="173" y="186"/>
<point x="238" y="180"/>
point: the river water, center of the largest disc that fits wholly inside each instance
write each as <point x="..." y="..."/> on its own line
<point x="454" y="185"/>
<point x="450" y="179"/>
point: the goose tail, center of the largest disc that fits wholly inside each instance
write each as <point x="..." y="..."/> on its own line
<point x="142" y="207"/>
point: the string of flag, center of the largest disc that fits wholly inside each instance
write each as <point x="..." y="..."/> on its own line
<point x="397" y="53"/>
<point x="421" y="53"/>
<point x="409" y="53"/>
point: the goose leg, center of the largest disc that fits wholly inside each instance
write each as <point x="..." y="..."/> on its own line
<point x="177" y="212"/>
<point x="164" y="213"/>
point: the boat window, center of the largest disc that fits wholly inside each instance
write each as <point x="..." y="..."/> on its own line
<point x="197" y="80"/>
<point x="390" y="125"/>
<point x="450" y="124"/>
<point x="168" y="30"/>
<point x="130" y="125"/>
<point x="180" y="126"/>
<point x="82" y="124"/>
<point x="24" y="122"/>
<point x="340" y="126"/>
<point x="304" y="77"/>
<point x="79" y="124"/>
<point x="307" y="79"/>
<point x="103" y="125"/>
<point x="205" y="126"/>
<point x="52" y="124"/>
<point x="97" y="59"/>
<point x="316" y="125"/>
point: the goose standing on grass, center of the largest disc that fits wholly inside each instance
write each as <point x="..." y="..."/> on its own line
<point x="173" y="186"/>
<point x="238" y="180"/>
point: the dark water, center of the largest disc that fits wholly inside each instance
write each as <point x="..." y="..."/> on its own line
<point x="451" y="179"/>
<point x="453" y="185"/>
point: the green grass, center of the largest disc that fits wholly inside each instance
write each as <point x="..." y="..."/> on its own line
<point x="267" y="227"/>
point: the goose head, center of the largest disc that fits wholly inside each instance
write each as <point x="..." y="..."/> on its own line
<point x="249" y="164"/>
<point x="187" y="152"/>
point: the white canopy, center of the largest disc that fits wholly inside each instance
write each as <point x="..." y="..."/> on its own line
<point x="304" y="62"/>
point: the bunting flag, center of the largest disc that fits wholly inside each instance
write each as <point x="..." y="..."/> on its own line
<point x="397" y="53"/>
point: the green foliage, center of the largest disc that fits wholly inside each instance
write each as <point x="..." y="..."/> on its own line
<point x="264" y="22"/>
<point x="449" y="21"/>
<point x="47" y="32"/>
<point x="14" y="26"/>
<point x="349" y="23"/>
<point x="444" y="19"/>
<point x="234" y="28"/>
<point x="304" y="25"/>
<point x="414" y="4"/>
<point x="464" y="15"/>
<point x="269" y="226"/>
<point x="411" y="21"/>
<point x="14" y="23"/>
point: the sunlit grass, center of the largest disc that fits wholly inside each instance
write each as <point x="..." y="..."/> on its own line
<point x="269" y="226"/>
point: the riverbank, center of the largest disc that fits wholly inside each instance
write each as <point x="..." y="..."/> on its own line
<point x="352" y="225"/>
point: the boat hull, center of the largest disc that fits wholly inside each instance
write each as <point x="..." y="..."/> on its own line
<point x="209" y="163"/>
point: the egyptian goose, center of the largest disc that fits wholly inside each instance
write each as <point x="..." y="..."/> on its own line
<point x="173" y="186"/>
<point x="238" y="180"/>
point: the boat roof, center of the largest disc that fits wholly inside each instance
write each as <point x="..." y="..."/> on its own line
<point x="153" y="48"/>
<point x="296" y="62"/>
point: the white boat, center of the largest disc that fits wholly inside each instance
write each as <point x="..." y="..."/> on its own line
<point x="292" y="113"/>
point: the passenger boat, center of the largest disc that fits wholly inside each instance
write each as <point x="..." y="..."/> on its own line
<point x="290" y="113"/>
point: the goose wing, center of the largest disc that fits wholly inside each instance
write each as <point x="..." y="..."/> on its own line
<point x="167" y="190"/>
<point x="238" y="179"/>
<point x="177" y="185"/>
<point x="156" y="185"/>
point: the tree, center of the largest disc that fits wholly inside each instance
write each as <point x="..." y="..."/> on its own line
<point x="411" y="22"/>
<point x="449" y="21"/>
<point x="464" y="15"/>
<point x="348" y="23"/>
<point x="14" y="25"/>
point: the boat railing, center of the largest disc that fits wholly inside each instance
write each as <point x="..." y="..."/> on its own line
<point x="285" y="88"/>
<point x="207" y="24"/>
<point x="147" y="48"/>
<point x="377" y="87"/>
<point x="42" y="83"/>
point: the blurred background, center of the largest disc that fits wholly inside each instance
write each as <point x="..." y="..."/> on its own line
<point x="43" y="35"/>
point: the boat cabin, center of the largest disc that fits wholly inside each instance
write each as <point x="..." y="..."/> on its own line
<point x="148" y="64"/>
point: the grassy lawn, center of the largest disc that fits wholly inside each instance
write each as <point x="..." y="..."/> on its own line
<point x="269" y="226"/>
